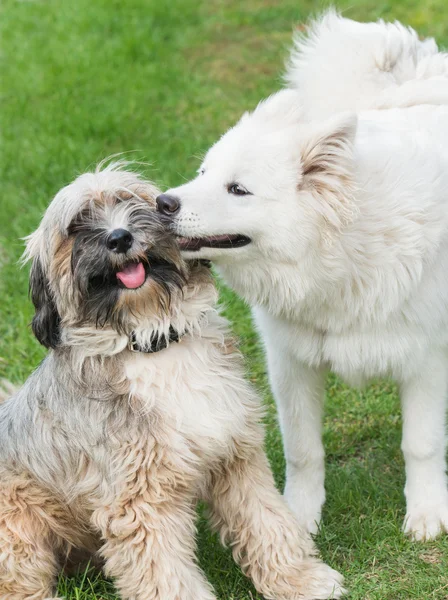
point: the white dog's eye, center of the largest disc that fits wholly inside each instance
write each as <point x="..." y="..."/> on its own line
<point x="201" y="171"/>
<point x="237" y="189"/>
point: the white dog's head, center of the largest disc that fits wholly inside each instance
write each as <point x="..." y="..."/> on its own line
<point x="268" y="190"/>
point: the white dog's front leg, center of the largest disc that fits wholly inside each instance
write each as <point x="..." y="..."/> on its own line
<point x="299" y="392"/>
<point x="424" y="445"/>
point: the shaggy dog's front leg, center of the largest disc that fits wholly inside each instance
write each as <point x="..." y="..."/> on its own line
<point x="149" y="550"/>
<point x="424" y="445"/>
<point x="266" y="539"/>
<point x="148" y="523"/>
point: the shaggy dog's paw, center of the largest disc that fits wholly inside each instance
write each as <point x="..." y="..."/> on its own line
<point x="320" y="582"/>
<point x="317" y="581"/>
<point x="426" y="523"/>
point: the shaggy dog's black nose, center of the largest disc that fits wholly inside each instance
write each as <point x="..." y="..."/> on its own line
<point x="168" y="205"/>
<point x="119" y="241"/>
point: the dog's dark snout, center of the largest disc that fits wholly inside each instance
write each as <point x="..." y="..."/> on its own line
<point x="168" y="205"/>
<point x="120" y="240"/>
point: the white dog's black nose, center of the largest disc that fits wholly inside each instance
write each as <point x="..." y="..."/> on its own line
<point x="119" y="241"/>
<point x="168" y="205"/>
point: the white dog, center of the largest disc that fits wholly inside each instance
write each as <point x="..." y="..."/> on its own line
<point x="334" y="226"/>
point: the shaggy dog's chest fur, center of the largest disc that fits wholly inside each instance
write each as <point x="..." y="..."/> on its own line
<point x="189" y="398"/>
<point x="196" y="397"/>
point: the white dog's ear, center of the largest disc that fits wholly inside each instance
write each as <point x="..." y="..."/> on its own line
<point x="327" y="167"/>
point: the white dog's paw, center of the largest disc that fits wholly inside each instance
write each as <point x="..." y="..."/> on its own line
<point x="320" y="582"/>
<point x="305" y="499"/>
<point x="426" y="523"/>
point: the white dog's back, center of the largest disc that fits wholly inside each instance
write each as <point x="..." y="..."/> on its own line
<point x="340" y="64"/>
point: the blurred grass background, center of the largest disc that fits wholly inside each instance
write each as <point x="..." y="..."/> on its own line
<point x="84" y="79"/>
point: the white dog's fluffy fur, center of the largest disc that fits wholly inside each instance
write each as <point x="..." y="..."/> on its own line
<point x="344" y="65"/>
<point x="347" y="213"/>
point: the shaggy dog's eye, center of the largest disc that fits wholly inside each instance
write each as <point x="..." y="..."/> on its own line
<point x="237" y="189"/>
<point x="80" y="222"/>
<point x="201" y="171"/>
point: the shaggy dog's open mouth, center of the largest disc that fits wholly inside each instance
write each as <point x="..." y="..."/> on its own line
<point x="213" y="241"/>
<point x="132" y="276"/>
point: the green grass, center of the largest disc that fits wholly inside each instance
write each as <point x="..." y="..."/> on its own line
<point x="87" y="78"/>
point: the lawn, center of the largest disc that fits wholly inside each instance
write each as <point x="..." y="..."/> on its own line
<point x="84" y="79"/>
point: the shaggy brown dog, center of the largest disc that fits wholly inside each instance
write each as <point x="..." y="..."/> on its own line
<point x="139" y="410"/>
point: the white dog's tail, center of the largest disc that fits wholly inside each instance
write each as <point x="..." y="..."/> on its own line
<point x="340" y="65"/>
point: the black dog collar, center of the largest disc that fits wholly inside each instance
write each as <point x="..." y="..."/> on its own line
<point x="157" y="343"/>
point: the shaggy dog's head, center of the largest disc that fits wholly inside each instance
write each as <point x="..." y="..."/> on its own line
<point x="270" y="188"/>
<point x="102" y="259"/>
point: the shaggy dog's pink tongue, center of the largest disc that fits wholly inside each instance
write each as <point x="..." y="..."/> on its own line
<point x="132" y="276"/>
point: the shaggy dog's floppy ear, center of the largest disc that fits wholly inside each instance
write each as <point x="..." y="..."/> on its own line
<point x="327" y="167"/>
<point x="46" y="321"/>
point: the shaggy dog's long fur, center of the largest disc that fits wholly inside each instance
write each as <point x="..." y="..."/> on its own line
<point x="107" y="449"/>
<point x="334" y="226"/>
